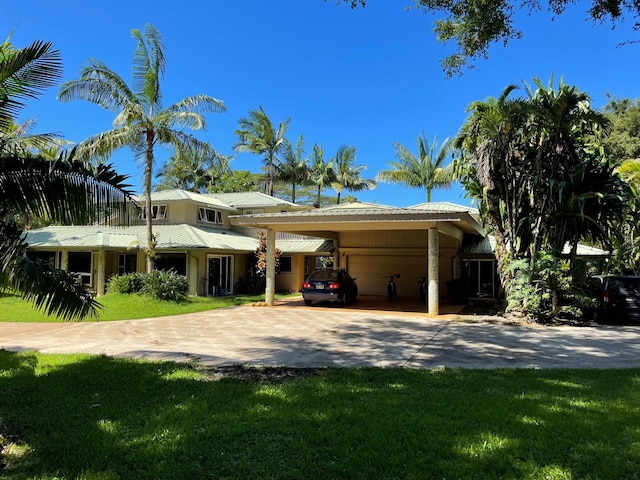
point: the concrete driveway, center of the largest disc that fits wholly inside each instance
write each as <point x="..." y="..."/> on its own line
<point x="291" y="334"/>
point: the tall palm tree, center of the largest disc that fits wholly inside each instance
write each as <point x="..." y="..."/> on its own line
<point x="141" y="122"/>
<point x="294" y="168"/>
<point x="348" y="175"/>
<point x="190" y="171"/>
<point x="63" y="190"/>
<point x="425" y="171"/>
<point x="322" y="173"/>
<point x="256" y="134"/>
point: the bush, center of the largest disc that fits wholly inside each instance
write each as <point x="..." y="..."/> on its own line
<point x="127" y="283"/>
<point x="161" y="284"/>
<point x="165" y="285"/>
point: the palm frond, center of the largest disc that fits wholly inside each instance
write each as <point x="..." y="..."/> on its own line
<point x="25" y="73"/>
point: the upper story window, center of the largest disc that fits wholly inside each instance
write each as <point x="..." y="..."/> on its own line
<point x="158" y="212"/>
<point x="209" y="215"/>
<point x="252" y="211"/>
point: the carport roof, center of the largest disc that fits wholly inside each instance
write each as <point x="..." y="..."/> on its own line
<point x="367" y="217"/>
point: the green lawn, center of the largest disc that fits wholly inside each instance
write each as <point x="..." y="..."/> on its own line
<point x="123" y="307"/>
<point x="92" y="417"/>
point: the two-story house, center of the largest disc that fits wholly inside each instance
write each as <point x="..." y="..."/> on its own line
<point x="194" y="238"/>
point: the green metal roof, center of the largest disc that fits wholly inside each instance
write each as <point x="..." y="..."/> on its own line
<point x="179" y="236"/>
<point x="254" y="200"/>
<point x="182" y="195"/>
<point x="315" y="246"/>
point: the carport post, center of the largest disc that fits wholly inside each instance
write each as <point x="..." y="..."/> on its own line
<point x="433" y="254"/>
<point x="270" y="284"/>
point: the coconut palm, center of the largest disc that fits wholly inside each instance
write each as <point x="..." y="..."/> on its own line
<point x="63" y="190"/>
<point x="256" y="134"/>
<point x="141" y="122"/>
<point x="322" y="173"/>
<point x="425" y="171"/>
<point x="348" y="175"/>
<point x="294" y="168"/>
<point x="190" y="171"/>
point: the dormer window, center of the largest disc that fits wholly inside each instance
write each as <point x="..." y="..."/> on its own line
<point x="158" y="212"/>
<point x="253" y="211"/>
<point x="209" y="215"/>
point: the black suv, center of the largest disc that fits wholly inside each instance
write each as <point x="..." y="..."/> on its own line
<point x="618" y="299"/>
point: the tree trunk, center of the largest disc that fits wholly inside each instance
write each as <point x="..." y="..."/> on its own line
<point x="150" y="251"/>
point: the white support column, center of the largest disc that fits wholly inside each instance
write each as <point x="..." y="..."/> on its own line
<point x="64" y="260"/>
<point x="270" y="284"/>
<point x="100" y="281"/>
<point x="433" y="287"/>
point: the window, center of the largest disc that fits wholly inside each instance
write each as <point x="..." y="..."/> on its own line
<point x="483" y="277"/>
<point x="172" y="261"/>
<point x="80" y="265"/>
<point x="45" y="257"/>
<point x="286" y="264"/>
<point x="254" y="211"/>
<point x="127" y="263"/>
<point x="158" y="212"/>
<point x="209" y="215"/>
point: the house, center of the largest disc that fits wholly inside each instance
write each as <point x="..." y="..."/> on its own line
<point x="195" y="238"/>
<point x="211" y="239"/>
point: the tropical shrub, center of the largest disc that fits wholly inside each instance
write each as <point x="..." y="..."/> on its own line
<point x="165" y="285"/>
<point x="534" y="284"/>
<point x="161" y="284"/>
<point x="127" y="283"/>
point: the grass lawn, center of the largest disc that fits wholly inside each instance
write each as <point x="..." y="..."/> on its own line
<point x="123" y="307"/>
<point x="92" y="417"/>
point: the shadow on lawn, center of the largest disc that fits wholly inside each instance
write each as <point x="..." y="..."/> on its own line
<point x="96" y="417"/>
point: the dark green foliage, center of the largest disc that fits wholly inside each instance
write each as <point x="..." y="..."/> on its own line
<point x="160" y="284"/>
<point x="165" y="285"/>
<point x="127" y="283"/>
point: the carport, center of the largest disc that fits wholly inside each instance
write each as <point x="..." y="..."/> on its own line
<point x="373" y="240"/>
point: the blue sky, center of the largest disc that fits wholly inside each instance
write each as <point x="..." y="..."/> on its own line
<point x="366" y="77"/>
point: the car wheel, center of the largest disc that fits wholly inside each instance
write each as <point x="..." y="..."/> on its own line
<point x="307" y="302"/>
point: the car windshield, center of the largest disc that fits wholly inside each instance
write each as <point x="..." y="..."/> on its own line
<point x="625" y="285"/>
<point x="324" y="275"/>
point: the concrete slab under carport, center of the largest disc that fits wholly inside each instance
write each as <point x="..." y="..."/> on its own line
<point x="382" y="304"/>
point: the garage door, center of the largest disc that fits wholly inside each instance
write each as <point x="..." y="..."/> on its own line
<point x="369" y="270"/>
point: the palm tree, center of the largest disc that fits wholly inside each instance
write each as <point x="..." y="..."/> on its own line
<point x="348" y="175"/>
<point x="426" y="171"/>
<point x="64" y="190"/>
<point x="190" y="171"/>
<point x="322" y="173"/>
<point x="141" y="122"/>
<point x="257" y="135"/>
<point x="294" y="169"/>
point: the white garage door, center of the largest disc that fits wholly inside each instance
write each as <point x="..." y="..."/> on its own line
<point x="369" y="270"/>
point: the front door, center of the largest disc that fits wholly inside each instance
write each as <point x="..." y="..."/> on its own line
<point x="219" y="275"/>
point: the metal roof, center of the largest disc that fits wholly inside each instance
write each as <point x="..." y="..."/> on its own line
<point x="253" y="200"/>
<point x="306" y="246"/>
<point x="363" y="216"/>
<point x="179" y="236"/>
<point x="177" y="195"/>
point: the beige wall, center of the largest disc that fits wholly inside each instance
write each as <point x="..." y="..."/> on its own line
<point x="371" y="255"/>
<point x="292" y="282"/>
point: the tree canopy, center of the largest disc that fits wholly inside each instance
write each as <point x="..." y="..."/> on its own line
<point x="141" y="122"/>
<point x="474" y="25"/>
